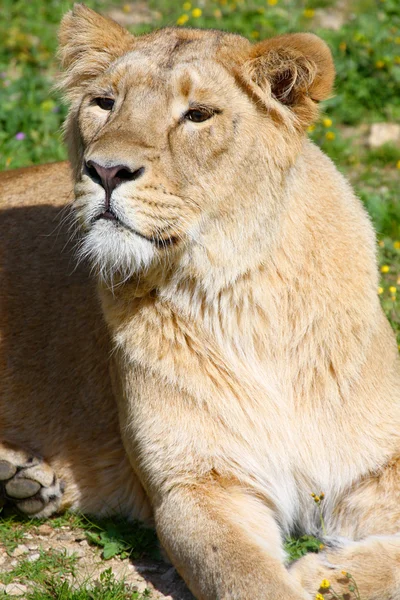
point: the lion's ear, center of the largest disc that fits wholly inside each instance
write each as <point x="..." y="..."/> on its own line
<point x="88" y="43"/>
<point x="295" y="69"/>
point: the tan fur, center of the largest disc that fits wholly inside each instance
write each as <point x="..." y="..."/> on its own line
<point x="251" y="361"/>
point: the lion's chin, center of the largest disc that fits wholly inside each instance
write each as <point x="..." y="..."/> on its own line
<point x="116" y="252"/>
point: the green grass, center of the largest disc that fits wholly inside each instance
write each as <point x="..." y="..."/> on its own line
<point x="12" y="531"/>
<point x="115" y="536"/>
<point x="52" y="575"/>
<point x="49" y="564"/>
<point x="296" y="547"/>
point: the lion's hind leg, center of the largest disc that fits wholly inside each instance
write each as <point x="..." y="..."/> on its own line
<point x="28" y="482"/>
<point x="368" y="516"/>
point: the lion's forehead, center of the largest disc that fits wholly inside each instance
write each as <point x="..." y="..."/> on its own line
<point x="190" y="78"/>
<point x="170" y="44"/>
<point x="162" y="58"/>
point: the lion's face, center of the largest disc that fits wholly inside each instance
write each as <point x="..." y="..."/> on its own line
<point x="171" y="134"/>
<point x="174" y="132"/>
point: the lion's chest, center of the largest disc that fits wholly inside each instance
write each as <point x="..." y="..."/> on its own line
<point x="190" y="407"/>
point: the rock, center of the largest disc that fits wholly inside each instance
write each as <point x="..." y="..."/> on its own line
<point x="32" y="546"/>
<point x="382" y="133"/>
<point x="63" y="537"/>
<point x="119" y="571"/>
<point x="140" y="587"/>
<point x="33" y="557"/>
<point x="84" y="544"/>
<point x="73" y="551"/>
<point x="45" y="529"/>
<point x="15" y="589"/>
<point x="20" y="550"/>
<point x="145" y="568"/>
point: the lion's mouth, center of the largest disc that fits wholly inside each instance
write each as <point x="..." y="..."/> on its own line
<point x="159" y="241"/>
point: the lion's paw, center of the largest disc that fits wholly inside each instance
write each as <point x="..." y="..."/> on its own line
<point x="370" y="567"/>
<point x="29" y="483"/>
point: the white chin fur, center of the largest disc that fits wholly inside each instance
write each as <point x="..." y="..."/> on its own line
<point x="116" y="251"/>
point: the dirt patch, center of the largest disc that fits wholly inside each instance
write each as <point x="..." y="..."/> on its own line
<point x="157" y="579"/>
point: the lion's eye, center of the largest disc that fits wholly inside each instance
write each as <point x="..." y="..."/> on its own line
<point x="104" y="103"/>
<point x="198" y="115"/>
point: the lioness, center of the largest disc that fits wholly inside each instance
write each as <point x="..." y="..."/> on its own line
<point x="250" y="360"/>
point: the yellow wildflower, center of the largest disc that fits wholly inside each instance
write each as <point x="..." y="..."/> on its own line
<point x="325" y="584"/>
<point x="343" y="46"/>
<point x="321" y="546"/>
<point x="310" y="128"/>
<point x="380" y="290"/>
<point x="217" y="13"/>
<point x="186" y="6"/>
<point x="398" y="164"/>
<point x="182" y="20"/>
<point x="47" y="105"/>
<point x="381" y="244"/>
<point x="327" y="122"/>
<point x="397" y="60"/>
<point x="319" y="596"/>
<point x="385" y="269"/>
<point x="272" y="2"/>
<point x="8" y="161"/>
<point x="127" y="8"/>
<point x="393" y="298"/>
<point x="197" y="12"/>
<point x="255" y="34"/>
<point x="317" y="499"/>
<point x="397" y="40"/>
<point x="309" y="13"/>
<point x="380" y="64"/>
<point x="396" y="245"/>
<point x="330" y="135"/>
<point x="393" y="290"/>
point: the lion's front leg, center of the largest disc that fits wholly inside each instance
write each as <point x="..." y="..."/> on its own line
<point x="225" y="544"/>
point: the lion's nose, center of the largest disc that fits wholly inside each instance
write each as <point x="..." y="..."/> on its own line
<point x="111" y="177"/>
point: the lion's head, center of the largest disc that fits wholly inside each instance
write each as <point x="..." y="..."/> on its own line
<point x="181" y="140"/>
